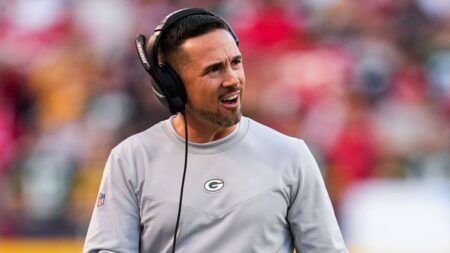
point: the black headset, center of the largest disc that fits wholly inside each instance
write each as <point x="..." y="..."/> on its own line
<point x="167" y="85"/>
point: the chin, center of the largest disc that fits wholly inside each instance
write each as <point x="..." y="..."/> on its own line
<point x="219" y="118"/>
<point x="233" y="119"/>
<point x="227" y="121"/>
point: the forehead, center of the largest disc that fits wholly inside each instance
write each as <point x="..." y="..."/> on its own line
<point x="212" y="46"/>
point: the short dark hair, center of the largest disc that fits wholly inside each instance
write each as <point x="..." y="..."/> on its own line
<point x="186" y="28"/>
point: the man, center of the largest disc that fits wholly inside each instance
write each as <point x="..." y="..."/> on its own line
<point x="247" y="187"/>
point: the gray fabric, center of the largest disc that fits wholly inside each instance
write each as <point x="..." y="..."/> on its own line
<point x="273" y="197"/>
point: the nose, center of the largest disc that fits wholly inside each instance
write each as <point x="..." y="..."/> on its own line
<point x="231" y="77"/>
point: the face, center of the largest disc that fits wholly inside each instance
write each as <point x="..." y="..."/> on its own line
<point x="211" y="68"/>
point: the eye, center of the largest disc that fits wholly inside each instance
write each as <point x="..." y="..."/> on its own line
<point x="214" y="68"/>
<point x="237" y="61"/>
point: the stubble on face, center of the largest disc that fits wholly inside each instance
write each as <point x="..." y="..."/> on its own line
<point x="217" y="117"/>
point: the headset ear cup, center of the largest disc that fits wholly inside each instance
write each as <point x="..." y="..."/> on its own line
<point x="169" y="86"/>
<point x="159" y="89"/>
<point x="174" y="86"/>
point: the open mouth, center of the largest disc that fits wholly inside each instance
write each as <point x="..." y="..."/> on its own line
<point x="230" y="100"/>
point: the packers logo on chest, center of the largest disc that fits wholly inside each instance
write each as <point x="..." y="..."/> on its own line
<point x="214" y="185"/>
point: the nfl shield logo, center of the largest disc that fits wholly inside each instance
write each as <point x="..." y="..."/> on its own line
<point x="101" y="199"/>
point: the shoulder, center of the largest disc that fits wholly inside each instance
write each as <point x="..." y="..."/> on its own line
<point x="262" y="140"/>
<point x="272" y="138"/>
<point x="145" y="140"/>
<point x="131" y="155"/>
<point x="287" y="155"/>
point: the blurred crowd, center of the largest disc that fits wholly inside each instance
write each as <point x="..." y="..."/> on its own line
<point x="366" y="83"/>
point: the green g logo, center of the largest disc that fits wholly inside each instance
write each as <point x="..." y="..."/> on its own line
<point x="214" y="185"/>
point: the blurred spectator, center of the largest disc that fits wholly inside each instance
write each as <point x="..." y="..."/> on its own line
<point x="439" y="77"/>
<point x="14" y="106"/>
<point x="60" y="85"/>
<point x="352" y="157"/>
<point x="106" y="26"/>
<point x="435" y="8"/>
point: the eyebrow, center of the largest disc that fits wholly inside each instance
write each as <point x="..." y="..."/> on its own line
<point x="212" y="66"/>
<point x="219" y="64"/>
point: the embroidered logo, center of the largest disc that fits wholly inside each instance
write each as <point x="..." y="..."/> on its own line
<point x="101" y="199"/>
<point x="214" y="185"/>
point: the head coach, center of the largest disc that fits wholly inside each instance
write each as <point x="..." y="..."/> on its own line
<point x="208" y="180"/>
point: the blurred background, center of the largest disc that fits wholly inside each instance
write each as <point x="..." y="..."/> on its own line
<point x="366" y="83"/>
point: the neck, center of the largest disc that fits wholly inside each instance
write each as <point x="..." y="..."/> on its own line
<point x="200" y="132"/>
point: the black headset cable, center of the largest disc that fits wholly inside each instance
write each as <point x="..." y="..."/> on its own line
<point x="182" y="181"/>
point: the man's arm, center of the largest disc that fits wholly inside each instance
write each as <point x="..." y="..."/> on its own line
<point x="114" y="225"/>
<point x="311" y="216"/>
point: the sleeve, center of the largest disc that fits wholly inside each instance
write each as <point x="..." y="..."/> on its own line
<point x="311" y="217"/>
<point x="114" y="226"/>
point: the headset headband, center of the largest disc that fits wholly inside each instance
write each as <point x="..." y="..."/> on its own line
<point x="175" y="16"/>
